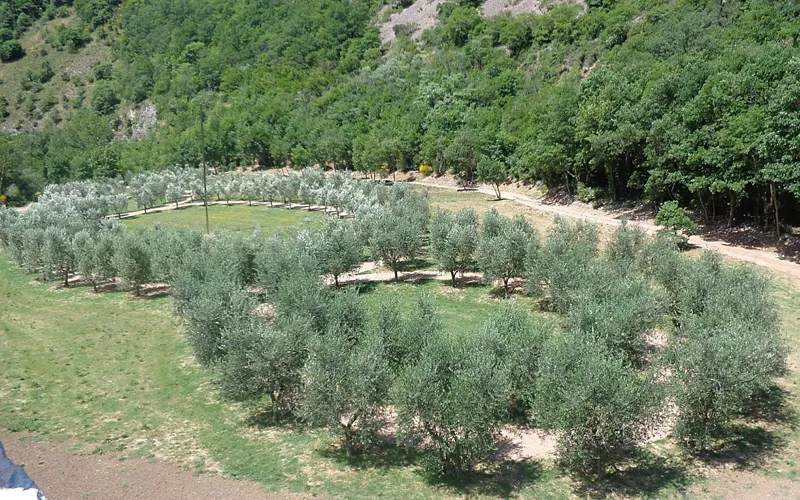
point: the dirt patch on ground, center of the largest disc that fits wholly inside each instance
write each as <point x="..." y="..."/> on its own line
<point x="64" y="476"/>
<point x="418" y="17"/>
<point x="747" y="485"/>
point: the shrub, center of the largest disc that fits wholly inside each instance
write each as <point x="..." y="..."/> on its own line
<point x="588" y="194"/>
<point x="105" y="98"/>
<point x="425" y="169"/>
<point x="676" y="219"/>
<point x="11" y="50"/>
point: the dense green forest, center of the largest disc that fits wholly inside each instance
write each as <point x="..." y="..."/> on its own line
<point x="693" y="100"/>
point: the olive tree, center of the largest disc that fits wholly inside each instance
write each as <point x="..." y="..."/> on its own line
<point x="563" y="261"/>
<point x="453" y="239"/>
<point x="599" y="406"/>
<point x="174" y="193"/>
<point x="339" y="249"/>
<point x="454" y="398"/>
<point x="58" y="256"/>
<point x="396" y="237"/>
<point x="346" y="389"/>
<point x="502" y="252"/>
<point x="95" y="256"/>
<point x="617" y="309"/>
<point x="405" y="337"/>
<point x="726" y="349"/>
<point x="132" y="259"/>
<point x="263" y="358"/>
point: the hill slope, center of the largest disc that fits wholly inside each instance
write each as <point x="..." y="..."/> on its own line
<point x="693" y="100"/>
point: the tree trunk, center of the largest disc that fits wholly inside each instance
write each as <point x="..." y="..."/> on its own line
<point x="453" y="279"/>
<point x="774" y="195"/>
<point x="176" y="204"/>
<point x="732" y="209"/>
<point x="703" y="206"/>
<point x="66" y="277"/>
<point x="395" y="274"/>
<point x="713" y="208"/>
<point x="145" y="209"/>
<point x="336" y="280"/>
<point x="505" y="286"/>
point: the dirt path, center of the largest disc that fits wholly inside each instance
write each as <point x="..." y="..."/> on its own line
<point x="764" y="258"/>
<point x="65" y="476"/>
<point x="406" y="277"/>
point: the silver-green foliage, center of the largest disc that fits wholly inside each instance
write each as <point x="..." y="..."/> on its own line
<point x="346" y="389"/>
<point x="503" y="248"/>
<point x="454" y="398"/>
<point x="598" y="405"/>
<point x="339" y="248"/>
<point x="453" y="240"/>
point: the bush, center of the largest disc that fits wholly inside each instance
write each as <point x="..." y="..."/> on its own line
<point x="42" y="74"/>
<point x="588" y="194"/>
<point x="11" y="50"/>
<point x="676" y="219"/>
<point x="105" y="98"/>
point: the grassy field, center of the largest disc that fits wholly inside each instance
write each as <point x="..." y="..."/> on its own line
<point x="113" y="375"/>
<point x="240" y="219"/>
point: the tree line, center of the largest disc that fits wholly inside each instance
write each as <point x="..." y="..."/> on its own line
<point x="647" y="336"/>
<point x="690" y="100"/>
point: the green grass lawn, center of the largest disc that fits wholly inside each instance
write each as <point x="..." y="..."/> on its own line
<point x="462" y="309"/>
<point x="113" y="374"/>
<point x="240" y="219"/>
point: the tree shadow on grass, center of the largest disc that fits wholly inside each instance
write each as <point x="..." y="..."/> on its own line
<point x="772" y="406"/>
<point x="756" y="437"/>
<point x="502" y="480"/>
<point x="647" y="475"/>
<point x="744" y="447"/>
<point x="265" y="417"/>
<point x="385" y="454"/>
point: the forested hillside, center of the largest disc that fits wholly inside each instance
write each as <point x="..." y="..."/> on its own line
<point x="694" y="100"/>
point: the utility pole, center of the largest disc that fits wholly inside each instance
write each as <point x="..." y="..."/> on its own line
<point x="203" y="156"/>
